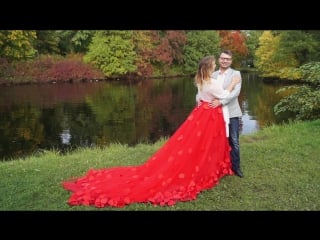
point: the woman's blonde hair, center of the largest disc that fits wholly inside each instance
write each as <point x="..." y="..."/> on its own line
<point x="205" y="69"/>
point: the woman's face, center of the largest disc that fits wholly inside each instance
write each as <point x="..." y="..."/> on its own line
<point x="213" y="66"/>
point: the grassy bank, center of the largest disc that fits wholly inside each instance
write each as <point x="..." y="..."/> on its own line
<point x="281" y="166"/>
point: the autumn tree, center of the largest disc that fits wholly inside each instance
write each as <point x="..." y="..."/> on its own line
<point x="168" y="48"/>
<point x="234" y="40"/>
<point x="143" y="46"/>
<point x="270" y="60"/>
<point x="17" y="44"/>
<point x="177" y="39"/>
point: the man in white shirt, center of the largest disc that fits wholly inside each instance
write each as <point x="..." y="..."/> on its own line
<point x="225" y="75"/>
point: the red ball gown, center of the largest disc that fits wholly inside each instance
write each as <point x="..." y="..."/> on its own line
<point x="193" y="159"/>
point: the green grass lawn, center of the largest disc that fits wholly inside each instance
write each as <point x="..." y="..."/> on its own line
<point x="281" y="165"/>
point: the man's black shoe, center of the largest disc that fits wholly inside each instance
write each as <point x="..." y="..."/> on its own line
<point x="238" y="173"/>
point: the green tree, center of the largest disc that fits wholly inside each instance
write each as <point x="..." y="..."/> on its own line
<point x="112" y="52"/>
<point x="301" y="44"/>
<point x="47" y="42"/>
<point x="74" y="41"/>
<point x="252" y="42"/>
<point x="199" y="44"/>
<point x="314" y="56"/>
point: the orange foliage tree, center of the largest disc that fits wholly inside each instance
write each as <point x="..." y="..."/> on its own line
<point x="234" y="40"/>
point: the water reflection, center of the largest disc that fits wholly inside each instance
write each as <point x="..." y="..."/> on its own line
<point x="65" y="136"/>
<point x="64" y="116"/>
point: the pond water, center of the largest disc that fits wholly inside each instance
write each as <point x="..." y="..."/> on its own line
<point x="64" y="116"/>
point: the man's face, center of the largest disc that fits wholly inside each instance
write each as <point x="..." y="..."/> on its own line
<point x="225" y="60"/>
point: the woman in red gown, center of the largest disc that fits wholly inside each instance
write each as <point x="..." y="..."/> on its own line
<point x="193" y="159"/>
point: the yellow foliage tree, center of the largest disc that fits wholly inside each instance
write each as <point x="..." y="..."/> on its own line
<point x="17" y="44"/>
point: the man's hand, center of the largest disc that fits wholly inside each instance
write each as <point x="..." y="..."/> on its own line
<point x="215" y="103"/>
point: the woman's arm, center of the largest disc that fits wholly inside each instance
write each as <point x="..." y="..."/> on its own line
<point x="234" y="82"/>
<point x="225" y="93"/>
<point x="217" y="90"/>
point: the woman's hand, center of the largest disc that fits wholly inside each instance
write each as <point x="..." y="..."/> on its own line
<point x="236" y="79"/>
